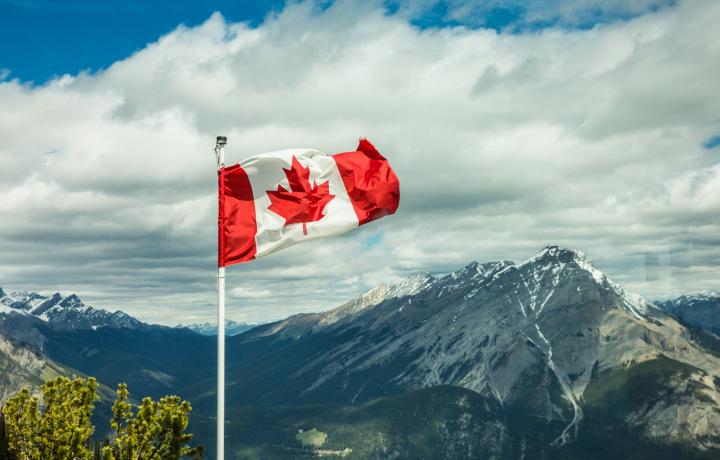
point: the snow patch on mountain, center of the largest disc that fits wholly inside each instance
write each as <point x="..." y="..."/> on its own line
<point x="694" y="300"/>
<point x="10" y="310"/>
<point x="22" y="300"/>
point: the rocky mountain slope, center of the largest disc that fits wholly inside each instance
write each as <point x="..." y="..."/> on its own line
<point x="21" y="367"/>
<point x="702" y="310"/>
<point x="546" y="339"/>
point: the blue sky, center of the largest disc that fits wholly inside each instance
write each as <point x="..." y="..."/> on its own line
<point x="712" y="142"/>
<point x="40" y="39"/>
<point x="511" y="124"/>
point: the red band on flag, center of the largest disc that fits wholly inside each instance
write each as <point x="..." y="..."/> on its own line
<point x="371" y="184"/>
<point x="236" y="217"/>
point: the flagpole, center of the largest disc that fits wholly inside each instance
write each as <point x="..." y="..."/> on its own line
<point x="220" y="157"/>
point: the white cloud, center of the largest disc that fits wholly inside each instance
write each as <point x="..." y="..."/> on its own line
<point x="503" y="143"/>
<point x="247" y="293"/>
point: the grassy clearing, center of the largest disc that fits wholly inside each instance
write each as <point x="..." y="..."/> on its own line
<point x="311" y="438"/>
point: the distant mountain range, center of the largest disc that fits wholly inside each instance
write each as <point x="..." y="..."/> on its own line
<point x="547" y="358"/>
<point x="701" y="310"/>
<point x="231" y="327"/>
<point x="64" y="312"/>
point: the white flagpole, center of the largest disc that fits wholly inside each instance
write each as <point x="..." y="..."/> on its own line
<point x="220" y="157"/>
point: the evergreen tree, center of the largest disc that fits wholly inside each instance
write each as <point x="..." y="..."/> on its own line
<point x="156" y="432"/>
<point x="60" y="430"/>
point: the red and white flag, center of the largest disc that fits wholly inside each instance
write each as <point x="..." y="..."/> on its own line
<point x="274" y="200"/>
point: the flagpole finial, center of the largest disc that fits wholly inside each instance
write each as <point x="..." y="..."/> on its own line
<point x="220" y="143"/>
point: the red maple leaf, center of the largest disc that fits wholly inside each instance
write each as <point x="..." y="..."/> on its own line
<point x="304" y="202"/>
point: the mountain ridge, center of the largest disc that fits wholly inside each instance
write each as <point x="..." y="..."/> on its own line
<point x="64" y="312"/>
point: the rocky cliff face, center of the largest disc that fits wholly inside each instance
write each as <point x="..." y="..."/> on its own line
<point x="21" y="367"/>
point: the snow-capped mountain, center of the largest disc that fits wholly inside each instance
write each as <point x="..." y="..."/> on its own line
<point x="231" y="327"/>
<point x="21" y="301"/>
<point x="701" y="309"/>
<point x="63" y="312"/>
<point x="545" y="338"/>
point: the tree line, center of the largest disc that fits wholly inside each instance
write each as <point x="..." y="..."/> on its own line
<point x="57" y="426"/>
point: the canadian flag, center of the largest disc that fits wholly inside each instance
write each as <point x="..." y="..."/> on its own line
<point x="275" y="200"/>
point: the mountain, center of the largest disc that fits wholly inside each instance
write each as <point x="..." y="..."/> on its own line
<point x="569" y="356"/>
<point x="545" y="359"/>
<point x="64" y="312"/>
<point x="702" y="310"/>
<point x="231" y="327"/>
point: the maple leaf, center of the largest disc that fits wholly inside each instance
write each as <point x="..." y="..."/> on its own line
<point x="304" y="202"/>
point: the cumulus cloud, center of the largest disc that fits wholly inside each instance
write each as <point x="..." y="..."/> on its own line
<point x="247" y="293"/>
<point x="591" y="139"/>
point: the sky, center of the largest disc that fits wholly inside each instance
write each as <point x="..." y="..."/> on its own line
<point x="511" y="125"/>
